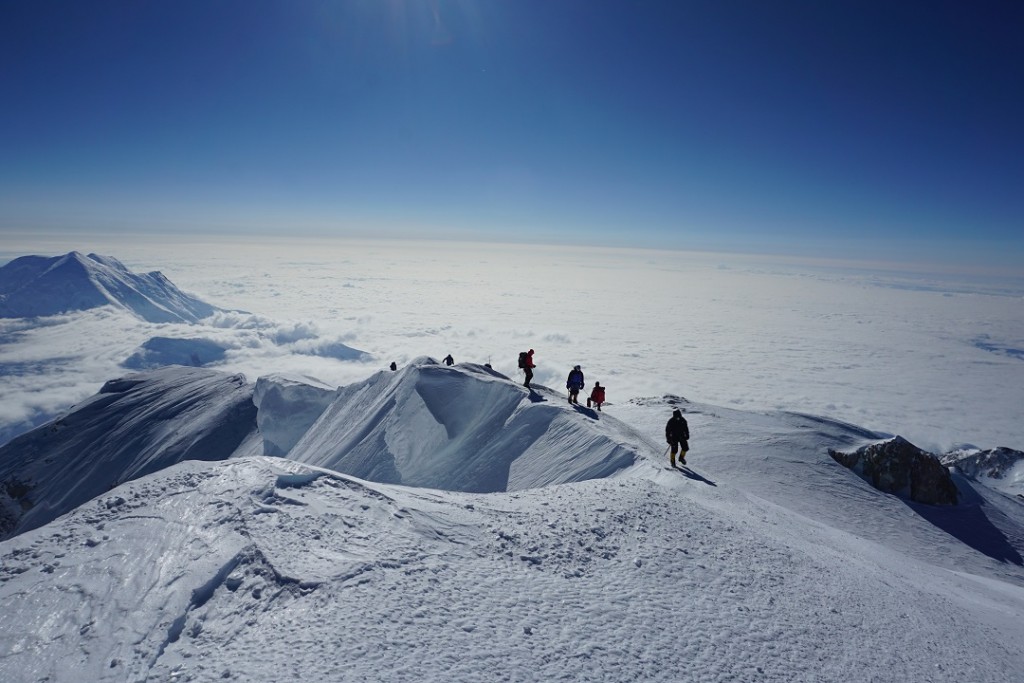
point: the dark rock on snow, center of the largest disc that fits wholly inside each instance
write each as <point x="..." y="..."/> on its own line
<point x="991" y="462"/>
<point x="899" y="467"/>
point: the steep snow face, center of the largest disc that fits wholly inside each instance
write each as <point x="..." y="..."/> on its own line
<point x="136" y="425"/>
<point x="463" y="428"/>
<point x="35" y="286"/>
<point x="286" y="409"/>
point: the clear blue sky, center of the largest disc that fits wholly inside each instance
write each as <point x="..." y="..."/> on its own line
<point x="892" y="129"/>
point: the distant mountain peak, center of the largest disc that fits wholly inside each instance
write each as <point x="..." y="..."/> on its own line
<point x="38" y="286"/>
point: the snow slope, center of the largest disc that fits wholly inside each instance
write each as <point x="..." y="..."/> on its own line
<point x="134" y="426"/>
<point x="286" y="409"/>
<point x="35" y="286"/>
<point x="766" y="561"/>
<point x="68" y="323"/>
<point x="261" y="569"/>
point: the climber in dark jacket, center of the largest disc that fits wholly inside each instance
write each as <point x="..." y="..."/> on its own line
<point x="574" y="384"/>
<point x="677" y="433"/>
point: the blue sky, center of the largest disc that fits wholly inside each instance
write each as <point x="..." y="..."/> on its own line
<point x="859" y="129"/>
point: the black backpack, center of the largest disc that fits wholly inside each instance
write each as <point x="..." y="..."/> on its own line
<point x="524" y="359"/>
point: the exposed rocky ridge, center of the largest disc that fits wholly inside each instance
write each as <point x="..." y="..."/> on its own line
<point x="901" y="468"/>
<point x="991" y="462"/>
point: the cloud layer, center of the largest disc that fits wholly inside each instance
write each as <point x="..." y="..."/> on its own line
<point x="894" y="352"/>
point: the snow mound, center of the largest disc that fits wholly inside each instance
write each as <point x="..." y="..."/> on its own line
<point x="36" y="286"/>
<point x="159" y="352"/>
<point x="326" y="348"/>
<point x="462" y="428"/>
<point x="136" y="425"/>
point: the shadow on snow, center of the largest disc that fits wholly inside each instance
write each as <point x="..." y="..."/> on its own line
<point x="974" y="522"/>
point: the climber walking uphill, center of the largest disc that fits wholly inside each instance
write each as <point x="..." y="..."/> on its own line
<point x="677" y="433"/>
<point x="526" y="363"/>
<point x="574" y="384"/>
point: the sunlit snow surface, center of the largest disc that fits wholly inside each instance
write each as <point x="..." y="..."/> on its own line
<point x="766" y="561"/>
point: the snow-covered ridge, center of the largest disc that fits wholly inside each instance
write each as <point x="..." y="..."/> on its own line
<point x="264" y="568"/>
<point x="464" y="428"/>
<point x="1000" y="468"/>
<point x="37" y="286"/>
<point x="134" y="426"/>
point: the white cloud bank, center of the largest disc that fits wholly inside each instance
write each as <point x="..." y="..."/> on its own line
<point x="936" y="358"/>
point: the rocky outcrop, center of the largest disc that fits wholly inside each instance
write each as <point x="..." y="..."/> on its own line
<point x="899" y="467"/>
<point x="992" y="462"/>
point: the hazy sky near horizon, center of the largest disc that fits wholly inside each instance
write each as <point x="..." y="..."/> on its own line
<point x="863" y="130"/>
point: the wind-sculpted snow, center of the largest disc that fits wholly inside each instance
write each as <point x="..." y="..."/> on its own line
<point x="286" y="409"/>
<point x="34" y="286"/>
<point x="260" y="569"/>
<point x="763" y="561"/>
<point x="136" y="425"/>
<point x="463" y="428"/>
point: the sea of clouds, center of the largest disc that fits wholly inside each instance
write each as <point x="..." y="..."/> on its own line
<point x="935" y="357"/>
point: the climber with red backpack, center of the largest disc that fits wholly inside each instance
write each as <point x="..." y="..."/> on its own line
<point x="526" y="363"/>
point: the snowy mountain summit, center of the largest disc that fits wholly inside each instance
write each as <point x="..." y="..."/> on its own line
<point x="35" y="286"/>
<point x="445" y="523"/>
<point x="466" y="428"/>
